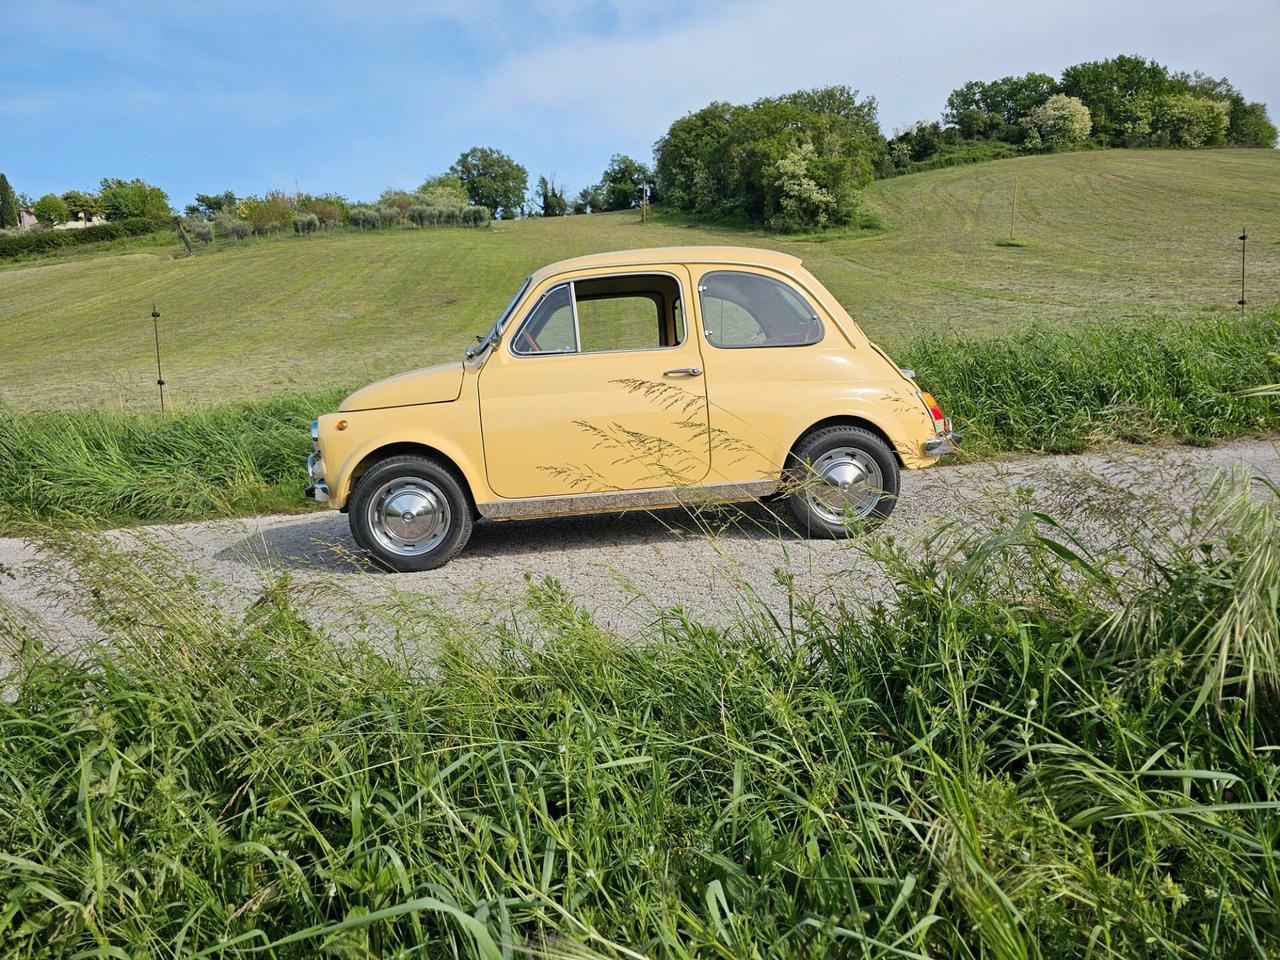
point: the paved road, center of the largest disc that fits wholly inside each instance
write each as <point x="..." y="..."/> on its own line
<point x="621" y="566"/>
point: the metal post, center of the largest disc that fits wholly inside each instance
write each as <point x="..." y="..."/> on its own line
<point x="1013" y="214"/>
<point x="155" y="322"/>
<point x="1244" y="239"/>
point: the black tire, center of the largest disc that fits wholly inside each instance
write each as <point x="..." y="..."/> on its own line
<point x="833" y="453"/>
<point x="410" y="513"/>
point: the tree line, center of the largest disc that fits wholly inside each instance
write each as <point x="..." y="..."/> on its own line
<point x="794" y="162"/>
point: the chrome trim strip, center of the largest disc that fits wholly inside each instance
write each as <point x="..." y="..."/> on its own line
<point x="621" y="500"/>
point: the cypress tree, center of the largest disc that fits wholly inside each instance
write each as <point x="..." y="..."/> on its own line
<point x="8" y="204"/>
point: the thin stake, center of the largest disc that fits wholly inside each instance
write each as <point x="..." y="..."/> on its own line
<point x="1244" y="239"/>
<point x="155" y="322"/>
<point x="1013" y="214"/>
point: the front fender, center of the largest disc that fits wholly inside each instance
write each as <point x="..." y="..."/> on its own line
<point x="447" y="430"/>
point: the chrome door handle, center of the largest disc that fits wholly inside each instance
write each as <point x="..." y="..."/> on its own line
<point x="683" y="372"/>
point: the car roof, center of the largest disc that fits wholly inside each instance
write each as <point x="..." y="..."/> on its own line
<point x="755" y="256"/>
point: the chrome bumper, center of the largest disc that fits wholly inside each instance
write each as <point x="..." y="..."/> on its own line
<point x="940" y="446"/>
<point x="318" y="489"/>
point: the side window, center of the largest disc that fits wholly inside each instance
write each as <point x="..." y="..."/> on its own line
<point x="748" y="310"/>
<point x="632" y="322"/>
<point x="601" y="314"/>
<point x="549" y="327"/>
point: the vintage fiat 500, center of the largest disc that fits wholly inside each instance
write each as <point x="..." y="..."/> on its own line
<point x="636" y="379"/>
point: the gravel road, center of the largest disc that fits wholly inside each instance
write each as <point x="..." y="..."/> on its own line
<point x="620" y="566"/>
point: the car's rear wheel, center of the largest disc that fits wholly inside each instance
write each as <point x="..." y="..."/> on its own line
<point x="841" y="480"/>
<point x="410" y="513"/>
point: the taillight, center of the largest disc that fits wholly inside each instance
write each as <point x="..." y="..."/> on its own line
<point x="935" y="411"/>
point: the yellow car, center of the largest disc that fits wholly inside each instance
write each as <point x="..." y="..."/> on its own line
<point x="636" y="379"/>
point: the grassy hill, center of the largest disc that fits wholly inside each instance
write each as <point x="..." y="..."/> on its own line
<point x="1107" y="234"/>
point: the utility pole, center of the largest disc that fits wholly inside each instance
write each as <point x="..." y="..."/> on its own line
<point x="155" y="322"/>
<point x="1244" y="239"/>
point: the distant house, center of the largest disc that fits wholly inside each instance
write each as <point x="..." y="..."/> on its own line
<point x="80" y="221"/>
<point x="27" y="220"/>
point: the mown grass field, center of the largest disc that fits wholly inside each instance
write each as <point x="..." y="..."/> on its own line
<point x="1108" y="235"/>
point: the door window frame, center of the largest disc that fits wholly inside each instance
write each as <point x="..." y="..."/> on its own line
<point x="577" y="337"/>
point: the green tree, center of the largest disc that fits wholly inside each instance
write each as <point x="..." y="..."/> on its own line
<point x="751" y="163"/>
<point x="1186" y="120"/>
<point x="125" y="199"/>
<point x="79" y="203"/>
<point x="1008" y="99"/>
<point x="8" y="204"/>
<point x="1119" y="93"/>
<point x="443" y="190"/>
<point x="551" y="200"/>
<point x="1250" y="126"/>
<point x="493" y="180"/>
<point x="50" y="210"/>
<point x="621" y="182"/>
<point x="209" y="205"/>
<point x="588" y="200"/>
<point x="1060" y="121"/>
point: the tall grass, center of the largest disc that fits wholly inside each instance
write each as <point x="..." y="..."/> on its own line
<point x="1060" y="390"/>
<point x="88" y="467"/>
<point x="1011" y="757"/>
<point x="1040" y="391"/>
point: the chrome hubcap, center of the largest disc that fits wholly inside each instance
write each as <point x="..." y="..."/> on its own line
<point x="409" y="516"/>
<point x="844" y="482"/>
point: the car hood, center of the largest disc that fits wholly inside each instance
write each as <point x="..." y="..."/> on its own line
<point x="431" y="385"/>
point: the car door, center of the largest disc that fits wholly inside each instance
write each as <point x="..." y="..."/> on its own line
<point x="770" y="355"/>
<point x="597" y="388"/>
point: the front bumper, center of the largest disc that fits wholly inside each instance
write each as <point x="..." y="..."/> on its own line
<point x="318" y="489"/>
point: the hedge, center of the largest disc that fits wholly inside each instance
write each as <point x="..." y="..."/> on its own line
<point x="34" y="242"/>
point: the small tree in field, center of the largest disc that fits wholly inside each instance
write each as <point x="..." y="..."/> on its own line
<point x="1060" y="121"/>
<point x="50" y="209"/>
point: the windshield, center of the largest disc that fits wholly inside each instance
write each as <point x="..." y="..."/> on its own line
<point x="495" y="331"/>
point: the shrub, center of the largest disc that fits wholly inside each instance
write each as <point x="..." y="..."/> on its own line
<point x="268" y="214"/>
<point x="34" y="242"/>
<point x="202" y="230"/>
<point x="476" y="216"/>
<point x="421" y="215"/>
<point x="365" y="218"/>
<point x="451" y="216"/>
<point x="233" y="226"/>
<point x="388" y="215"/>
<point x="304" y="223"/>
<point x="50" y="209"/>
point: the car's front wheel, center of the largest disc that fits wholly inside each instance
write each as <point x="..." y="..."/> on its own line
<point x="841" y="479"/>
<point x="410" y="513"/>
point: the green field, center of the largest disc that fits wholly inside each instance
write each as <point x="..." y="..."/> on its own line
<point x="1114" y="234"/>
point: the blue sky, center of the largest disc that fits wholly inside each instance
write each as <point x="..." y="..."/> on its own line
<point x="355" y="97"/>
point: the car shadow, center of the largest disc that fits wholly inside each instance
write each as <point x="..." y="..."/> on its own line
<point x="322" y="542"/>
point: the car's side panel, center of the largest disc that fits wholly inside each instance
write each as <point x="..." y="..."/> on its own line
<point x="761" y="399"/>
<point x="560" y="425"/>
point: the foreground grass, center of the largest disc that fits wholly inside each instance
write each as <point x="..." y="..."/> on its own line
<point x="1107" y="235"/>
<point x="1048" y="390"/>
<point x="1029" y="752"/>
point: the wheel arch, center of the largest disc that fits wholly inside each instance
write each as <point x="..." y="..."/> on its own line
<point x="400" y="448"/>
<point x="846" y="420"/>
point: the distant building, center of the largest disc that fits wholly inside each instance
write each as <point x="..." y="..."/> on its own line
<point x="80" y="221"/>
<point x="27" y="220"/>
